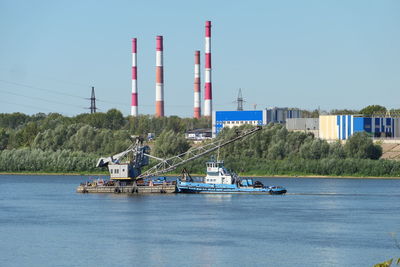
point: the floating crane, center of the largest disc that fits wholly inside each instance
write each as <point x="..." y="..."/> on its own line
<point x="139" y="157"/>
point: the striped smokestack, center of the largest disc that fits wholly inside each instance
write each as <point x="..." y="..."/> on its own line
<point x="159" y="77"/>
<point x="207" y="76"/>
<point x="197" y="110"/>
<point x="134" y="105"/>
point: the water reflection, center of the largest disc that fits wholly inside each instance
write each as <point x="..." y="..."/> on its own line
<point x="218" y="198"/>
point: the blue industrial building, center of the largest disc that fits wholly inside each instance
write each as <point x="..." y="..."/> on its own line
<point x="377" y="127"/>
<point x="343" y="126"/>
<point x="221" y="119"/>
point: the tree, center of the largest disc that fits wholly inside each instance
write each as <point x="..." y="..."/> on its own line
<point x="277" y="150"/>
<point x="51" y="121"/>
<point x="360" y="146"/>
<point x="314" y="149"/>
<point x="336" y="151"/>
<point x="175" y="124"/>
<point x="4" y="136"/>
<point x="344" y="112"/>
<point x="310" y="114"/>
<point x="24" y="136"/>
<point x="115" y="119"/>
<point x="372" y="109"/>
<point x="13" y="120"/>
<point x="168" y="143"/>
<point x="96" y="120"/>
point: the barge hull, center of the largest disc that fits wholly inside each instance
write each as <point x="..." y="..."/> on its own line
<point x="193" y="191"/>
<point x="162" y="189"/>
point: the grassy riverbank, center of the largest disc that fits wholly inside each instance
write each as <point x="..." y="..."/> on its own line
<point x="56" y="173"/>
<point x="297" y="176"/>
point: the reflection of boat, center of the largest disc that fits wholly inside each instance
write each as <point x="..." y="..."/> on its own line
<point x="219" y="180"/>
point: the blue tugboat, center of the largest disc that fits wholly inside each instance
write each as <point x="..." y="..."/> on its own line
<point x="221" y="181"/>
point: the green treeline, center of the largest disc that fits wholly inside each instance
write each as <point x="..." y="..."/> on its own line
<point x="276" y="151"/>
<point x="101" y="133"/>
<point x="56" y="143"/>
<point x="299" y="167"/>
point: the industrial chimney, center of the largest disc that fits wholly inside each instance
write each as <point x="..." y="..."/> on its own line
<point x="134" y="105"/>
<point x="197" y="109"/>
<point x="159" y="77"/>
<point x="207" y="76"/>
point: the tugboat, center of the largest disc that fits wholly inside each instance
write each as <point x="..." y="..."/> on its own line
<point x="221" y="181"/>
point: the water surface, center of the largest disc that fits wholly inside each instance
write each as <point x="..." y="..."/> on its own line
<point x="320" y="222"/>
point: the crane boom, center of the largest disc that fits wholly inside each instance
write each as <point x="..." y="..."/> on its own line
<point x="170" y="164"/>
<point x="102" y="162"/>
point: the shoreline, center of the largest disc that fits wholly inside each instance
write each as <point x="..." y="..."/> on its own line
<point x="54" y="173"/>
<point x="199" y="175"/>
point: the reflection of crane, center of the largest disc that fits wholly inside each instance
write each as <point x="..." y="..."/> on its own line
<point x="139" y="157"/>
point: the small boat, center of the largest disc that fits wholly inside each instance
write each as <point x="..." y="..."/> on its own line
<point x="221" y="181"/>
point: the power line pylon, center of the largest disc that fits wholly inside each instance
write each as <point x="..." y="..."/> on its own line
<point x="239" y="100"/>
<point x="93" y="102"/>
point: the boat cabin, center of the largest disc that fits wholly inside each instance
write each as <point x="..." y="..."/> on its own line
<point x="119" y="171"/>
<point x="217" y="174"/>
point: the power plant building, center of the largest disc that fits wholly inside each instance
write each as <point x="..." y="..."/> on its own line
<point x="341" y="127"/>
<point x="221" y="119"/>
<point x="279" y="115"/>
<point x="307" y="125"/>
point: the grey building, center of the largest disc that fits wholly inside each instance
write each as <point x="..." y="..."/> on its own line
<point x="198" y="134"/>
<point x="303" y="125"/>
<point x="279" y="115"/>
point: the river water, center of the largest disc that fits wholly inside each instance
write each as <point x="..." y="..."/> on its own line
<point x="320" y="222"/>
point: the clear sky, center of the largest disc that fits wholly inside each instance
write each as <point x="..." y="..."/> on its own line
<point x="332" y="54"/>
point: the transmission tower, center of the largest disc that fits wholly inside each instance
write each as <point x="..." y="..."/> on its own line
<point x="93" y="102"/>
<point x="239" y="100"/>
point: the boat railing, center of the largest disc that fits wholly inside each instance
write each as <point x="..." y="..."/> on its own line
<point x="235" y="178"/>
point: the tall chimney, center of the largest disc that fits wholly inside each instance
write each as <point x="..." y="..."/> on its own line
<point x="134" y="105"/>
<point x="159" y="77"/>
<point x="197" y="109"/>
<point x="207" y="76"/>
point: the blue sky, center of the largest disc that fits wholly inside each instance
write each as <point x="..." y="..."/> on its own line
<point x="306" y="54"/>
